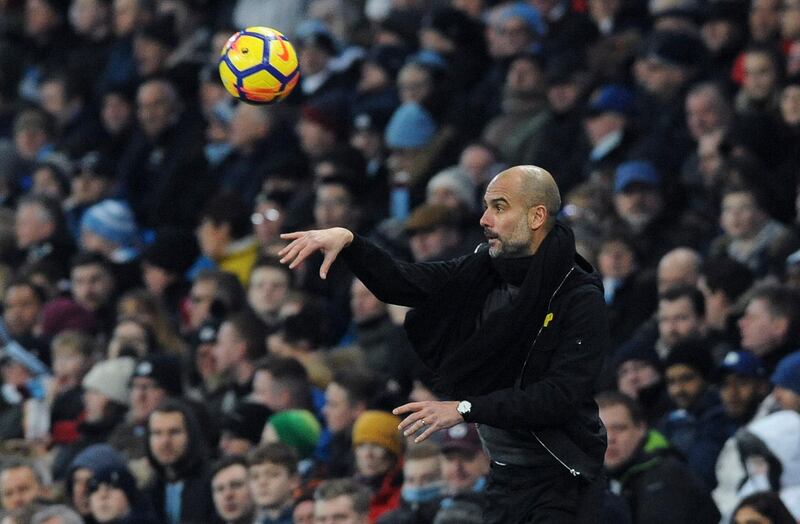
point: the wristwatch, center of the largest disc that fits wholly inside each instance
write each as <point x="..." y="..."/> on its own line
<point x="464" y="407"/>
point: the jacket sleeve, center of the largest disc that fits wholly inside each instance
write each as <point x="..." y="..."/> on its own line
<point x="394" y="281"/>
<point x="552" y="397"/>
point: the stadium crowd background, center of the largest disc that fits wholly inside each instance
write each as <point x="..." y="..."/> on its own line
<point x="160" y="365"/>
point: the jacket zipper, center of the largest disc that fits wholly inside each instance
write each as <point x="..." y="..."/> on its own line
<point x="574" y="472"/>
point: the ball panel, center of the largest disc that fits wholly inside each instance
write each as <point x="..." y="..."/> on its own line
<point x="260" y="87"/>
<point x="282" y="56"/>
<point x="229" y="78"/>
<point x="246" y="52"/>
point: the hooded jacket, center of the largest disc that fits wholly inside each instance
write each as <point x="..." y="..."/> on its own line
<point x="191" y="469"/>
<point x="659" y="488"/>
<point x="549" y="407"/>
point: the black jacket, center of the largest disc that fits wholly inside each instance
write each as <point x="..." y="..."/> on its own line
<point x="552" y="404"/>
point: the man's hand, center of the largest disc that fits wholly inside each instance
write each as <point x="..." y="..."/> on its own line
<point x="431" y="415"/>
<point x="304" y="243"/>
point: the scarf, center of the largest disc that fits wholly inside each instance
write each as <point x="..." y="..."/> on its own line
<point x="469" y="360"/>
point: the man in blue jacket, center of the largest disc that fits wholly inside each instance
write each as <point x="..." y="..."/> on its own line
<point x="515" y="334"/>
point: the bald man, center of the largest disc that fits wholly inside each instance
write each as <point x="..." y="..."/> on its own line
<point x="515" y="334"/>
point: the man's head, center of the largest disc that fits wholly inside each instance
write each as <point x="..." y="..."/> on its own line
<point x="686" y="372"/>
<point x="722" y="281"/>
<point x="20" y="484"/>
<point x="364" y="305"/>
<point x="770" y="319"/>
<point x="625" y="425"/>
<point x="240" y="339"/>
<point x="680" y="315"/>
<point x="112" y="493"/>
<point x="679" y="267"/>
<point x="743" y="384"/>
<point x="154" y="379"/>
<point x="346" y="397"/>
<point x="669" y="62"/>
<point x="22" y="303"/>
<point x="171" y="435"/>
<point x="707" y="109"/>
<point x="242" y="428"/>
<point x="762" y="71"/>
<point x="92" y="281"/>
<point x="638" y="367"/>
<point x="249" y="126"/>
<point x="432" y="230"/>
<point x="157" y="107"/>
<point x="742" y="216"/>
<point x="37" y="219"/>
<point x="521" y="205"/>
<point x="269" y="287"/>
<point x="786" y="379"/>
<point x="637" y="193"/>
<point x="230" y="491"/>
<point x="422" y="473"/>
<point x="607" y="113"/>
<point x="224" y="219"/>
<point x="335" y="204"/>
<point x="463" y="461"/>
<point x="281" y="383"/>
<point x="341" y="501"/>
<point x="273" y="477"/>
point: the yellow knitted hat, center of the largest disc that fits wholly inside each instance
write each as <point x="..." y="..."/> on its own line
<point x="378" y="427"/>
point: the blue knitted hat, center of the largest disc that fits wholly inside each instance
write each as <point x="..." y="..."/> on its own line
<point x="112" y="220"/>
<point x="411" y="127"/>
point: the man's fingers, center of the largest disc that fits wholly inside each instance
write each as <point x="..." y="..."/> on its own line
<point x="330" y="256"/>
<point x="289" y="253"/>
<point x="430" y="430"/>
<point x="293" y="235"/>
<point x="303" y="254"/>
<point x="407" y="408"/>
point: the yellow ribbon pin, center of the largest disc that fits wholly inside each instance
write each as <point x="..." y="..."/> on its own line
<point x="547" y="319"/>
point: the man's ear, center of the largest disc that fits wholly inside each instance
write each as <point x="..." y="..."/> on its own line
<point x="537" y="217"/>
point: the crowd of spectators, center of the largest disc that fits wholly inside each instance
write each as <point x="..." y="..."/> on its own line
<point x="159" y="365"/>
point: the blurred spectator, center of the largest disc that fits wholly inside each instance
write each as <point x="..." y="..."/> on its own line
<point x="21" y="484"/>
<point x="62" y="95"/>
<point x="51" y="177"/>
<point x="762" y="75"/>
<point x="378" y="448"/>
<point x="465" y="466"/>
<point x="268" y="217"/>
<point x="422" y="486"/>
<point x="260" y="145"/>
<point x="92" y="182"/>
<point x="750" y="235"/>
<point x="229" y="487"/>
<point x="23" y="302"/>
<point x="154" y="379"/>
<point x="72" y="354"/>
<point x="640" y="375"/>
<point x="433" y="233"/>
<point x="764" y="505"/>
<point x="225" y="235"/>
<point x="81" y="470"/>
<point x="699" y="426"/>
<point x="609" y="130"/>
<point x="114" y="497"/>
<point x="743" y="385"/>
<point x="350" y="393"/>
<point x="162" y="173"/>
<point x="93" y="287"/>
<point x="643" y="469"/>
<point x="180" y="489"/>
<point x="345" y="499"/>
<point x="281" y="383"/>
<point x="57" y="514"/>
<point x="242" y="428"/>
<point x="41" y="232"/>
<point x="722" y="282"/>
<point x="769" y="324"/>
<point x="240" y="343"/>
<point x="164" y="265"/>
<point x="301" y="337"/>
<point x="786" y="379"/>
<point x="520" y="125"/>
<point x="272" y="472"/>
<point x="269" y="288"/>
<point x="213" y="294"/>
